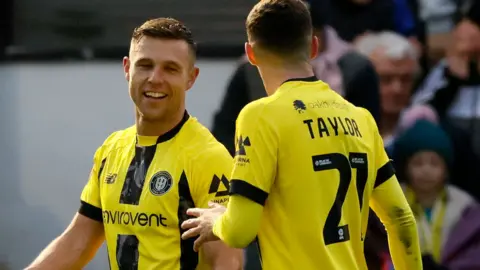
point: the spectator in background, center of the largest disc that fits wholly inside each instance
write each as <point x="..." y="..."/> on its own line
<point x="463" y="169"/>
<point x="452" y="89"/>
<point x="396" y="62"/>
<point x="354" y="18"/>
<point x="448" y="218"/>
<point x="434" y="21"/>
<point x="453" y="86"/>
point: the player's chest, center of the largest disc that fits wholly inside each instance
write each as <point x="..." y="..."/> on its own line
<point x="142" y="187"/>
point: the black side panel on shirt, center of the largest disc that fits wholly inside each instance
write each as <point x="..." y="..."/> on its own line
<point x="384" y="173"/>
<point x="188" y="257"/>
<point x="240" y="187"/>
<point x="259" y="250"/>
<point x="137" y="171"/>
<point x="252" y="257"/>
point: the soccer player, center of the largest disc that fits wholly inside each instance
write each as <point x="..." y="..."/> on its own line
<point x="145" y="177"/>
<point x="308" y="163"/>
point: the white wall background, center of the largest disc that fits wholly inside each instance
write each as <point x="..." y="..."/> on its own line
<point x="52" y="119"/>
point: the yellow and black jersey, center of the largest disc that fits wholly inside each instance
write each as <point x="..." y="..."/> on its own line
<point x="315" y="162"/>
<point x="140" y="188"/>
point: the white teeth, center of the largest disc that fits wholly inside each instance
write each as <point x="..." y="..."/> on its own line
<point x="155" y="94"/>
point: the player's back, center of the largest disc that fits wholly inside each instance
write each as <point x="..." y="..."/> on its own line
<point x="317" y="209"/>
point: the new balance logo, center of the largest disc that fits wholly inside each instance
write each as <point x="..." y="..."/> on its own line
<point x="215" y="186"/>
<point x="241" y="143"/>
<point x="110" y="178"/>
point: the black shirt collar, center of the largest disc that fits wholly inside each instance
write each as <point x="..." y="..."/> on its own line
<point x="307" y="79"/>
<point x="171" y="133"/>
<point x="174" y="131"/>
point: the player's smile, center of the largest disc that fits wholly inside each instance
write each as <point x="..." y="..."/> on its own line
<point x="154" y="95"/>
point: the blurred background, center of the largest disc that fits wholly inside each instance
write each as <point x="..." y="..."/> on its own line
<point x="414" y="64"/>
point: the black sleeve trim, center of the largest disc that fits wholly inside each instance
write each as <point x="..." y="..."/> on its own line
<point x="384" y="173"/>
<point x="240" y="187"/>
<point x="90" y="211"/>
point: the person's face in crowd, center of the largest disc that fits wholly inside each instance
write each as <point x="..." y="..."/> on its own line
<point x="396" y="81"/>
<point x="466" y="38"/>
<point x="426" y="171"/>
<point x="159" y="72"/>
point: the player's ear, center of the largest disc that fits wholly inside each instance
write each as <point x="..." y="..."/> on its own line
<point x="250" y="54"/>
<point x="193" y="77"/>
<point x="126" y="67"/>
<point x="314" y="47"/>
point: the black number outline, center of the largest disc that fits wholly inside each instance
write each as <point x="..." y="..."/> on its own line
<point x="332" y="232"/>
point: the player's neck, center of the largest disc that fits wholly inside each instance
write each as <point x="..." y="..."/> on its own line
<point x="273" y="76"/>
<point x="146" y="127"/>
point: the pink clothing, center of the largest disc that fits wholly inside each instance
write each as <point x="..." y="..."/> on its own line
<point x="326" y="66"/>
<point x="413" y="114"/>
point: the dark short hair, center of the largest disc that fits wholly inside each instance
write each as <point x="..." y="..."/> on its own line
<point x="165" y="28"/>
<point x="281" y="27"/>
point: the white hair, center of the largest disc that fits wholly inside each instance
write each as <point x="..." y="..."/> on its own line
<point x="394" y="46"/>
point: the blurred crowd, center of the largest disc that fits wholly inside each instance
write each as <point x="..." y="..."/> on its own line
<point x="415" y="65"/>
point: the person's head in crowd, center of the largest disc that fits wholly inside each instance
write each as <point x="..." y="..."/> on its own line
<point x="423" y="154"/>
<point x="465" y="46"/>
<point x="396" y="61"/>
<point x="319" y="15"/>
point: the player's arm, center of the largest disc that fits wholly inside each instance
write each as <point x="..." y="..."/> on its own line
<point x="252" y="177"/>
<point x="77" y="245"/>
<point x="74" y="248"/>
<point x="391" y="206"/>
<point x="210" y="184"/>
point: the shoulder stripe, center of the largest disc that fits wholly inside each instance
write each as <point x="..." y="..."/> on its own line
<point x="102" y="165"/>
<point x="247" y="190"/>
<point x="384" y="173"/>
<point x="90" y="211"/>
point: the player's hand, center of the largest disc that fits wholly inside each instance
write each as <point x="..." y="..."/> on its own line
<point x="202" y="225"/>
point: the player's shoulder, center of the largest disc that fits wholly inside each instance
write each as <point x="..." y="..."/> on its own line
<point x="117" y="139"/>
<point x="258" y="108"/>
<point x="367" y="116"/>
<point x="199" y="143"/>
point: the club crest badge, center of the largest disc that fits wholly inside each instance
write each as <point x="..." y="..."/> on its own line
<point x="161" y="183"/>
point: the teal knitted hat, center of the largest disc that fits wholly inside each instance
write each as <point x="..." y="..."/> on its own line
<point x="423" y="136"/>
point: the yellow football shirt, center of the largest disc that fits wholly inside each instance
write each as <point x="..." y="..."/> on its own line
<point x="314" y="161"/>
<point x="140" y="188"/>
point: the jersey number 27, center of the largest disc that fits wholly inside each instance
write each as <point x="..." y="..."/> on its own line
<point x="332" y="232"/>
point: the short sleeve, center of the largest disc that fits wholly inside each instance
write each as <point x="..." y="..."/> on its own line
<point x="256" y="148"/>
<point x="383" y="164"/>
<point x="210" y="177"/>
<point x="90" y="198"/>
